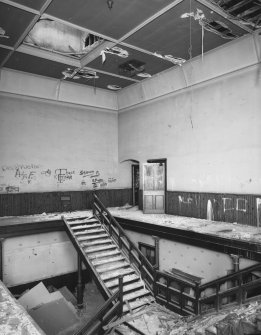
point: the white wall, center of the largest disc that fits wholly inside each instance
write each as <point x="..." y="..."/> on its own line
<point x="204" y="263"/>
<point x="37" y="257"/>
<point x="48" y="146"/>
<point x="206" y="123"/>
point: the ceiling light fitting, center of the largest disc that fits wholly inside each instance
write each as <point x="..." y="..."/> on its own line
<point x="110" y="4"/>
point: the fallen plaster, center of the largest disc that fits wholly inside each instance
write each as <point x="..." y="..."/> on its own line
<point x="157" y="320"/>
<point x="14" y="320"/>
<point x="217" y="228"/>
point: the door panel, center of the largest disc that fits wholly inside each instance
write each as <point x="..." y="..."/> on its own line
<point x="153" y="188"/>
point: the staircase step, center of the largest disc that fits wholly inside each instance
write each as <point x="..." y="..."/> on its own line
<point x="112" y="266"/>
<point x="108" y="260"/>
<point x="98" y="242"/>
<point x="86" y="226"/>
<point x="130" y="287"/>
<point x="138" y="303"/>
<point x="89" y="232"/>
<point x="91" y="237"/>
<point x="126" y="279"/>
<point x="103" y="255"/>
<point x="73" y="221"/>
<point x="117" y="273"/>
<point x="99" y="248"/>
<point x="135" y="295"/>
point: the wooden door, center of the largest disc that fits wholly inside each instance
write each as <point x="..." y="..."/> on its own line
<point x="135" y="184"/>
<point x="154" y="188"/>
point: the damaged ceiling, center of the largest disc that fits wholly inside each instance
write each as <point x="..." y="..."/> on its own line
<point x="111" y="44"/>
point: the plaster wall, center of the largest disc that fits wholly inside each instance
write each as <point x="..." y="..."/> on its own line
<point x="54" y="146"/>
<point x="37" y="257"/>
<point x="209" y="133"/>
<point x="204" y="263"/>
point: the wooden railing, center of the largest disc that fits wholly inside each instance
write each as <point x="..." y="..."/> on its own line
<point x="183" y="296"/>
<point x="136" y="258"/>
<point x="179" y="295"/>
<point x="235" y="288"/>
<point x="111" y="310"/>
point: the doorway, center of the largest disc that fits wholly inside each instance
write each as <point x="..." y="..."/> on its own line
<point x="135" y="184"/>
<point x="154" y="186"/>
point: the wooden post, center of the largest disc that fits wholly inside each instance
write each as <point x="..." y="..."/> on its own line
<point x="156" y="239"/>
<point x="1" y="258"/>
<point x="197" y="297"/>
<point x="79" y="284"/>
<point x="121" y="295"/>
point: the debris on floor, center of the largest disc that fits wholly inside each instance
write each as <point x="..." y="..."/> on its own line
<point x="13" y="318"/>
<point x="54" y="312"/>
<point x="158" y="320"/>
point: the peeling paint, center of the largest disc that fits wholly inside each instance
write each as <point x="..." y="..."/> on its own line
<point x="216" y="27"/>
<point x="114" y="51"/>
<point x="2" y="33"/>
<point x="170" y="58"/>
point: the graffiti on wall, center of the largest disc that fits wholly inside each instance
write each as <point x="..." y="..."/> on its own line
<point x="32" y="174"/>
<point x="63" y="174"/>
<point x="228" y="205"/>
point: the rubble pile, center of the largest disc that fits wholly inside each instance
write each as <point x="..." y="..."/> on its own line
<point x="158" y="320"/>
<point x="236" y="321"/>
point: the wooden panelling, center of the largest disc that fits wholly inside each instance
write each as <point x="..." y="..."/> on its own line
<point x="226" y="207"/>
<point x="49" y="202"/>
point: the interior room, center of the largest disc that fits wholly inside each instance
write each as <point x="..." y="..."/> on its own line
<point x="130" y="159"/>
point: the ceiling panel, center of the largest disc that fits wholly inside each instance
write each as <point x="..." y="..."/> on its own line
<point x="113" y="63"/>
<point x="3" y="54"/>
<point x="27" y="63"/>
<point x="14" y="21"/>
<point x="171" y="34"/>
<point x="35" y="4"/>
<point x="103" y="81"/>
<point x="95" y="14"/>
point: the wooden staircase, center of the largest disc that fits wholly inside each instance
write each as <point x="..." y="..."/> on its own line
<point x="107" y="261"/>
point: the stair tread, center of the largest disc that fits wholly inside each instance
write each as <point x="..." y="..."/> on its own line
<point x="108" y="260"/>
<point x="104" y="255"/>
<point x="91" y="237"/>
<point x="85" y="232"/>
<point x="138" y="303"/>
<point x="95" y="242"/>
<point x="76" y="221"/>
<point x="132" y="286"/>
<point x="126" y="279"/>
<point x="112" y="266"/>
<point x="113" y="274"/>
<point x="99" y="248"/>
<point x="87" y="227"/>
<point x="135" y="294"/>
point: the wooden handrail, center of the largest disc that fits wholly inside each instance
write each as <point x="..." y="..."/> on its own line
<point x="112" y="223"/>
<point x="116" y="231"/>
<point x="232" y="276"/>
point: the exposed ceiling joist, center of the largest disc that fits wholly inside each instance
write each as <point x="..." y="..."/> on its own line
<point x="90" y="56"/>
<point x="27" y="30"/>
<point x="150" y="19"/>
<point x="221" y="12"/>
<point x="17" y="5"/>
<point x="6" y="47"/>
<point x="45" y="54"/>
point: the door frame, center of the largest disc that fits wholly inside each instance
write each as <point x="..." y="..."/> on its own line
<point x="164" y="161"/>
<point x="133" y="166"/>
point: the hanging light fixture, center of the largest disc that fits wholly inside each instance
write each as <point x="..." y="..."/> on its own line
<point x="110" y="4"/>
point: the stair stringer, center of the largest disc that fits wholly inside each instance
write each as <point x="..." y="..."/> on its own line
<point x="96" y="275"/>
